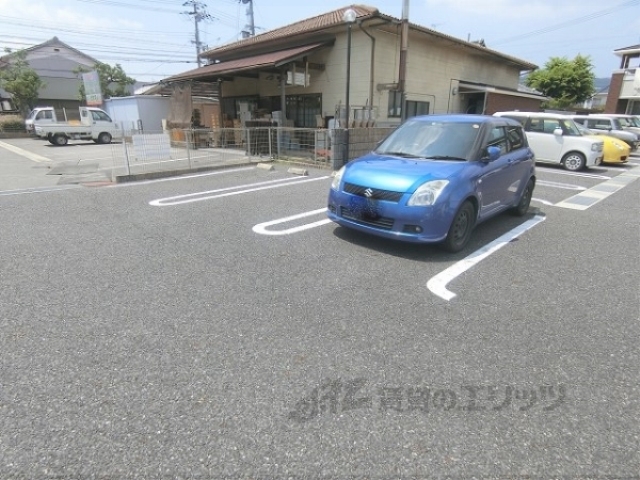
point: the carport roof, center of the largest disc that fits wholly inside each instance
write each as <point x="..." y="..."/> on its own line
<point x="255" y="62"/>
<point x="521" y="92"/>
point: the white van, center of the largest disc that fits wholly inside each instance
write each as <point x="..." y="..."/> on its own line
<point x="555" y="138"/>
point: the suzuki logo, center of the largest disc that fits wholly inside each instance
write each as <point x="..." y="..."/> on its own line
<point x="368" y="193"/>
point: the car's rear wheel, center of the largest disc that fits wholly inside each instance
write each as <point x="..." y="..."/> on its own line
<point x="574" y="161"/>
<point x="59" y="140"/>
<point x="461" y="228"/>
<point x="104" y="137"/>
<point x="525" y="200"/>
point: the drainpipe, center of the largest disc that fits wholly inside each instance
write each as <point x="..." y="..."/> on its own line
<point x="404" y="40"/>
<point x="371" y="72"/>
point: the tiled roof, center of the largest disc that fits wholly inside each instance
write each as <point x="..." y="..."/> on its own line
<point x="332" y="19"/>
<point x="271" y="59"/>
<point x="309" y="25"/>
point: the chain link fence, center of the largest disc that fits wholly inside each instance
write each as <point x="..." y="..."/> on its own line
<point x="194" y="149"/>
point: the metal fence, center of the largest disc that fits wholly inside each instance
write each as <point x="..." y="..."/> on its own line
<point x="144" y="152"/>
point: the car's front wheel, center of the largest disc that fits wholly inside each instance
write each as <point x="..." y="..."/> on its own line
<point x="104" y="137"/>
<point x="461" y="228"/>
<point x="59" y="139"/>
<point x="574" y="161"/>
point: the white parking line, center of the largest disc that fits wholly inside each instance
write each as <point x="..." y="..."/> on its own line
<point x="24" y="153"/>
<point x="544" y="202"/>
<point x="24" y="191"/>
<point x="565" y="186"/>
<point x="261" y="228"/>
<point x="198" y="196"/>
<point x="438" y="284"/>
<point x="572" y="174"/>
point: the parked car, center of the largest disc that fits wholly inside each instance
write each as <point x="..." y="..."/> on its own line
<point x="615" y="150"/>
<point x="609" y="126"/>
<point x="555" y="138"/>
<point x="39" y="116"/>
<point x="434" y="178"/>
<point x="627" y="122"/>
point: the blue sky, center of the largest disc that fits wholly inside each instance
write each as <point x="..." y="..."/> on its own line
<point x="152" y="39"/>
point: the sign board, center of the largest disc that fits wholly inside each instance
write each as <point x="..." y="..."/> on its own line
<point x="92" y="90"/>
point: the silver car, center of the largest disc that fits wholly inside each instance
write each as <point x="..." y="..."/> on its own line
<point x="610" y="125"/>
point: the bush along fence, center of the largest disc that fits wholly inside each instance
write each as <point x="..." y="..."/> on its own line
<point x="12" y="126"/>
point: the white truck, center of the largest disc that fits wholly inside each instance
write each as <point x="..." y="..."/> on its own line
<point x="95" y="124"/>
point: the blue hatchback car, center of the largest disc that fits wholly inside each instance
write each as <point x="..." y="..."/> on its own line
<point x="434" y="178"/>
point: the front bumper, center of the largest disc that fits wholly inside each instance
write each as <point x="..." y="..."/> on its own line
<point x="394" y="220"/>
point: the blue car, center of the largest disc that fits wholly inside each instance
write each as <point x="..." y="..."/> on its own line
<point x="436" y="177"/>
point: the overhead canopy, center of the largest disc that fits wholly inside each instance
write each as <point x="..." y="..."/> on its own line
<point x="475" y="87"/>
<point x="264" y="61"/>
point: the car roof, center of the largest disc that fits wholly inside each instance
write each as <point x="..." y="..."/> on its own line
<point x="468" y="118"/>
<point x="610" y="115"/>
<point x="534" y="114"/>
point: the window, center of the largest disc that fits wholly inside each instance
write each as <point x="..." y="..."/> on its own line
<point x="302" y="109"/>
<point x="544" y="125"/>
<point x="45" y="114"/>
<point x="395" y="103"/>
<point x="598" y="124"/>
<point x="515" y="136"/>
<point x="100" y="116"/>
<point x="417" y="108"/>
<point x="6" y="106"/>
<point x="498" y="138"/>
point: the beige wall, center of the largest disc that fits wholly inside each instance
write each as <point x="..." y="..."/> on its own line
<point x="432" y="71"/>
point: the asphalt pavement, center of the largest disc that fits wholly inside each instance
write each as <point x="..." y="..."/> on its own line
<point x="217" y="326"/>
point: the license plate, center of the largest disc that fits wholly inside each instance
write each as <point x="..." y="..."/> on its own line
<point x="363" y="208"/>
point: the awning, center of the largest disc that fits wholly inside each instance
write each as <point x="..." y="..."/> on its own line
<point x="474" y="87"/>
<point x="256" y="62"/>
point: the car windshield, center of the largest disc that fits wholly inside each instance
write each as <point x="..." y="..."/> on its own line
<point x="436" y="140"/>
<point x="626" y="122"/>
<point x="570" y="127"/>
<point x="584" y="130"/>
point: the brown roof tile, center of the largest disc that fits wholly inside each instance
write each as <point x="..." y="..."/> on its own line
<point x="314" y="24"/>
<point x="271" y="59"/>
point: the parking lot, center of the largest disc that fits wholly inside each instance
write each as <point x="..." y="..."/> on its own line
<point x="217" y="325"/>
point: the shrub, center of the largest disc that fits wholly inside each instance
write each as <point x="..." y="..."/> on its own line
<point x="11" y="123"/>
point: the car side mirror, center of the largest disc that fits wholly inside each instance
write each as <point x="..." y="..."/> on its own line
<point x="493" y="153"/>
<point x="557" y="132"/>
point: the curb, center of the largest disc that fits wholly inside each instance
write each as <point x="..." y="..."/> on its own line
<point x="176" y="173"/>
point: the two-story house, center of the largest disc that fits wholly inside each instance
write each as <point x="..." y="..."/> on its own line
<point x="624" y="89"/>
<point x="301" y="70"/>
<point x="54" y="62"/>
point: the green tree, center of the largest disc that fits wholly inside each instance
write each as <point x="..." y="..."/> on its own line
<point x="113" y="80"/>
<point x="21" y="81"/>
<point x="567" y="82"/>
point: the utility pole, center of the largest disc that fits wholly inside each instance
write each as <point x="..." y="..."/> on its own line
<point x="249" y="28"/>
<point x="199" y="14"/>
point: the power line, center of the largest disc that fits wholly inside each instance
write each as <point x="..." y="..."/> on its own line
<point x="571" y="22"/>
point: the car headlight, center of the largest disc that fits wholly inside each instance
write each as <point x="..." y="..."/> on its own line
<point x="335" y="183"/>
<point x="427" y="193"/>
